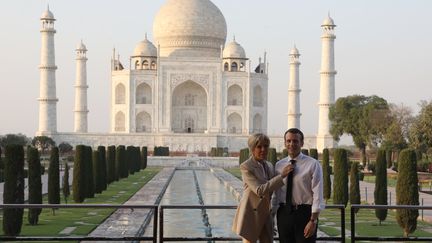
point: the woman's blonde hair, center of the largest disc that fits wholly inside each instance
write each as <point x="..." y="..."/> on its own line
<point x="257" y="138"/>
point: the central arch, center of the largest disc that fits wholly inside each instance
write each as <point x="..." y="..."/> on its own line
<point x="189" y="108"/>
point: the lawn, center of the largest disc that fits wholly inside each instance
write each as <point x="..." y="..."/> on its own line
<point x="85" y="220"/>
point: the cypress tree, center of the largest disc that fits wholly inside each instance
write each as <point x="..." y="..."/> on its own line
<point x="354" y="196"/>
<point x="54" y="177"/>
<point x="1" y="160"/>
<point x="143" y="158"/>
<point x="326" y="174"/>
<point x="34" y="184"/>
<point x="111" y="169"/>
<point x="244" y="155"/>
<point x="137" y="159"/>
<point x="79" y="177"/>
<point x="340" y="183"/>
<point x="65" y="183"/>
<point x="13" y="192"/>
<point x="284" y="153"/>
<point x="103" y="167"/>
<point x="389" y="158"/>
<point x="130" y="159"/>
<point x="305" y="151"/>
<point x="219" y="152"/>
<point x="272" y="156"/>
<point x="407" y="191"/>
<point x="96" y="172"/>
<point x="90" y="187"/>
<point x="380" y="193"/>
<point x="313" y="152"/>
<point x="121" y="165"/>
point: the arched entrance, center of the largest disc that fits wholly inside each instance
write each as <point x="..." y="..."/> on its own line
<point x="189" y="108"/>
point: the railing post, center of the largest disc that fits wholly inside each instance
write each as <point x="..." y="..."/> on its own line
<point x="422" y="203"/>
<point x="343" y="224"/>
<point x="161" y="223"/>
<point x="366" y="195"/>
<point x="352" y="225"/>
<point x="155" y="223"/>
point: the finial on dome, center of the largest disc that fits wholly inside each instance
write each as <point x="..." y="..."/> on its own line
<point x="146" y="35"/>
<point x="234" y="38"/>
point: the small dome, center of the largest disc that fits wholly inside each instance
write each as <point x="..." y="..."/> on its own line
<point x="328" y="22"/>
<point x="234" y="50"/>
<point x="47" y="14"/>
<point x="145" y="48"/>
<point x="294" y="51"/>
<point x="81" y="46"/>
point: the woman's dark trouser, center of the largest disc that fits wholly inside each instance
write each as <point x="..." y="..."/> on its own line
<point x="291" y="224"/>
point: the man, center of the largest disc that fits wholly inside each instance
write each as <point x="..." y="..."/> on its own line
<point x="253" y="219"/>
<point x="299" y="202"/>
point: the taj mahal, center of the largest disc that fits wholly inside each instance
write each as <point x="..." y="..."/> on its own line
<point x="189" y="88"/>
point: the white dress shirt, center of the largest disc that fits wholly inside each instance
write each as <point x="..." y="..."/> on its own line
<point x="307" y="183"/>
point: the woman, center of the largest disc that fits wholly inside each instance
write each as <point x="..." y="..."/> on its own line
<point x="253" y="220"/>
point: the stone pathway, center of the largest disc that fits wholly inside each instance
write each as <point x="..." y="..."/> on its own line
<point x="127" y="222"/>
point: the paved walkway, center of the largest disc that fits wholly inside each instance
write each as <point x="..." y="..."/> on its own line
<point x="126" y="222"/>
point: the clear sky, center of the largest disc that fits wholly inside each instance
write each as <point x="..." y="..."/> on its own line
<point x="383" y="47"/>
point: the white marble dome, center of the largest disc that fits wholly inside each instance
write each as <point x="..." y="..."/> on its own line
<point x="328" y="22"/>
<point x="234" y="50"/>
<point x="190" y="28"/>
<point x="47" y="15"/>
<point x="145" y="49"/>
<point x="294" y="51"/>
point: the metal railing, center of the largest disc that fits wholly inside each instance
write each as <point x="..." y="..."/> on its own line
<point x="158" y="216"/>
<point x="162" y="238"/>
<point x="153" y="238"/>
<point x="355" y="238"/>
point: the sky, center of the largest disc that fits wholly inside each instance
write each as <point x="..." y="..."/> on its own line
<point x="382" y="48"/>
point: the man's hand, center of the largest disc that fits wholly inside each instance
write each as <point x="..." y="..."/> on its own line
<point x="287" y="169"/>
<point x="310" y="228"/>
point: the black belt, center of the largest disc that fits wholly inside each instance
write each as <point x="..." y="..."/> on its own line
<point x="296" y="207"/>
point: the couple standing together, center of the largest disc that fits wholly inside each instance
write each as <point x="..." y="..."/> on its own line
<point x="292" y="190"/>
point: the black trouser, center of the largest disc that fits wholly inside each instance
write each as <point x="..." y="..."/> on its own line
<point x="291" y="224"/>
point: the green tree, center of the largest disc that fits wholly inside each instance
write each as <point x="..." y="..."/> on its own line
<point x="407" y="191"/>
<point x="305" y="151"/>
<point x="326" y="174"/>
<point x="103" y="167"/>
<point x="364" y="118"/>
<point x="340" y="183"/>
<point x="43" y="143"/>
<point x="380" y="193"/>
<point x="90" y="187"/>
<point x="397" y="133"/>
<point x="111" y="169"/>
<point x="14" y="139"/>
<point x="244" y="155"/>
<point x="143" y="158"/>
<point x="54" y="177"/>
<point x="313" y="152"/>
<point x="13" y="192"/>
<point x="389" y="155"/>
<point x="65" y="148"/>
<point x="272" y="156"/>
<point x="96" y="172"/>
<point x="34" y="184"/>
<point x="421" y="129"/>
<point x="65" y="183"/>
<point x="121" y="165"/>
<point x="79" y="177"/>
<point x="354" y="189"/>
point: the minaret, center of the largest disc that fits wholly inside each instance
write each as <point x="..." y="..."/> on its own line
<point x="81" y="90"/>
<point x="327" y="85"/>
<point x="47" y="91"/>
<point x="294" y="90"/>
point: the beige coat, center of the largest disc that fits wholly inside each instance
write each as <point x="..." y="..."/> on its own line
<point x="253" y="211"/>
